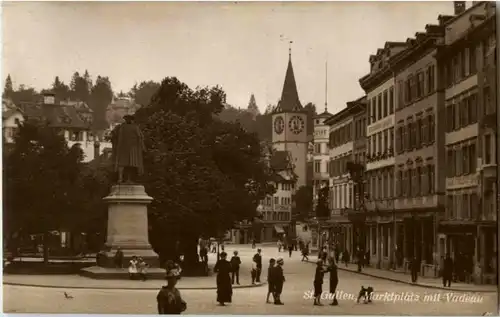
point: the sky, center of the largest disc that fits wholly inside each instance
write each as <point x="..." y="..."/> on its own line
<point x="242" y="47"/>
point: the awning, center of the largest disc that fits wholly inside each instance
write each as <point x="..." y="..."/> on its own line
<point x="279" y="229"/>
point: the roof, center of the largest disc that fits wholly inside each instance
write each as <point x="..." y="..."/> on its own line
<point x="58" y="116"/>
<point x="289" y="101"/>
<point x="324" y="114"/>
<point x="280" y="160"/>
<point x="353" y="107"/>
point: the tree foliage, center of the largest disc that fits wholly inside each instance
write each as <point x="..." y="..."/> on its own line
<point x="303" y="202"/>
<point x="8" y="88"/>
<point x="204" y="173"/>
<point x="322" y="209"/>
<point x="101" y="96"/>
<point x="144" y="92"/>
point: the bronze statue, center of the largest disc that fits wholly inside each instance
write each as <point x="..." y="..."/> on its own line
<point x="128" y="145"/>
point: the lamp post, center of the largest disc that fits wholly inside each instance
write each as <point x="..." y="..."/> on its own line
<point x="394" y="235"/>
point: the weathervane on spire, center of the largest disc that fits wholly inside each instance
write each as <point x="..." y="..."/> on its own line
<point x="290" y="42"/>
<point x="326" y="85"/>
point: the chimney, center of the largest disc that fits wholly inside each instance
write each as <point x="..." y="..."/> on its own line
<point x="49" y="99"/>
<point x="97" y="146"/>
<point x="459" y="7"/>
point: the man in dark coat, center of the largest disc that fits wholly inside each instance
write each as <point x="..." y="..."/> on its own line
<point x="235" y="265"/>
<point x="334" y="281"/>
<point x="128" y="145"/>
<point x="447" y="271"/>
<point x="119" y="258"/>
<point x="318" y="282"/>
<point x="415" y="268"/>
<point x="279" y="280"/>
<point x="258" y="259"/>
<point x="224" y="287"/>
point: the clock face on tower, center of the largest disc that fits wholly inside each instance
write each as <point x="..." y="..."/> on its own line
<point x="296" y="124"/>
<point x="279" y="125"/>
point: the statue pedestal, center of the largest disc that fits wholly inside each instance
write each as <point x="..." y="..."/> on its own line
<point x="127" y="230"/>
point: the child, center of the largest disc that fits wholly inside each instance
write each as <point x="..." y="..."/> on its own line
<point x="270" y="280"/>
<point x="142" y="269"/>
<point x="254" y="271"/>
<point x="132" y="268"/>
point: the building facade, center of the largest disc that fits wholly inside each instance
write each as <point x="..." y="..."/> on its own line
<point x="419" y="145"/>
<point x="379" y="86"/>
<point x="468" y="58"/>
<point x="321" y="155"/>
<point x="346" y="145"/>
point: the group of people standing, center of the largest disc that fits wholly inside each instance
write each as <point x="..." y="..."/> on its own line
<point x="323" y="267"/>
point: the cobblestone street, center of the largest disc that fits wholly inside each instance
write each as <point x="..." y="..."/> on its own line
<point x="299" y="275"/>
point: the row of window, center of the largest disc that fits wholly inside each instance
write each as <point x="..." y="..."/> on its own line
<point x="462" y="207"/>
<point x="461" y="160"/>
<point x="268" y="201"/>
<point x="286" y="186"/>
<point x="381" y="142"/>
<point x="342" y="196"/>
<point x="360" y="157"/>
<point x="381" y="106"/>
<point x="416" y="86"/>
<point x="380" y="184"/>
<point x="416" y="182"/>
<point x="359" y="128"/>
<point x="461" y="65"/>
<point x="461" y="113"/>
<point x="277" y="216"/>
<point x="341" y="136"/>
<point x="338" y="167"/>
<point x="320" y="148"/>
<point x="415" y="134"/>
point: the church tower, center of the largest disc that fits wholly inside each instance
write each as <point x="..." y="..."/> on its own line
<point x="290" y="126"/>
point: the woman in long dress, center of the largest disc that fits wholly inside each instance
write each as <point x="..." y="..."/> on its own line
<point x="224" y="287"/>
<point x="334" y="280"/>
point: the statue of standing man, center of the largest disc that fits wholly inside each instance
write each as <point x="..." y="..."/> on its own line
<point x="128" y="145"/>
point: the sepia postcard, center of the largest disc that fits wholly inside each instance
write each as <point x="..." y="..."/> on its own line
<point x="250" y="158"/>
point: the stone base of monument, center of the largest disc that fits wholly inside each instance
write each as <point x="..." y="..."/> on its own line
<point x="105" y="273"/>
<point x="127" y="231"/>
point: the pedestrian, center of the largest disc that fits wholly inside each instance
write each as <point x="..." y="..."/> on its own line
<point x="415" y="268"/>
<point x="132" y="268"/>
<point x="305" y="253"/>
<point x="279" y="280"/>
<point x="318" y="282"/>
<point x="258" y="260"/>
<point x="447" y="271"/>
<point x="367" y="258"/>
<point x="253" y="244"/>
<point x="346" y="257"/>
<point x="253" y="272"/>
<point x="142" y="268"/>
<point x="235" y="266"/>
<point x="224" y="287"/>
<point x="119" y="258"/>
<point x="169" y="298"/>
<point x="214" y="247"/>
<point x="360" y="257"/>
<point x="270" y="280"/>
<point x="204" y="254"/>
<point x="280" y="245"/>
<point x="334" y="281"/>
<point x="290" y="250"/>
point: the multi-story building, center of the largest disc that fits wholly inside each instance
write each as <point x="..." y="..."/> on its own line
<point x="321" y="156"/>
<point x="11" y="117"/>
<point x="72" y="119"/>
<point x="468" y="58"/>
<point x="346" y="131"/>
<point x="419" y="145"/>
<point x="379" y="88"/>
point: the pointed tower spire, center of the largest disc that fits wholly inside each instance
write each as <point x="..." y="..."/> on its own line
<point x="289" y="96"/>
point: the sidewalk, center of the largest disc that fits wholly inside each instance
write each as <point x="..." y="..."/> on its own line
<point x="79" y="282"/>
<point x="428" y="282"/>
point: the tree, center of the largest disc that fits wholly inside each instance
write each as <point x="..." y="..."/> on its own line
<point x="311" y="113"/>
<point x="23" y="94"/>
<point x="80" y="87"/>
<point x="33" y="205"/>
<point x="322" y="210"/>
<point x="143" y="93"/>
<point x="101" y="96"/>
<point x="8" y="90"/>
<point x="303" y="202"/>
<point x="252" y="106"/>
<point x="204" y="173"/>
<point x="60" y="89"/>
